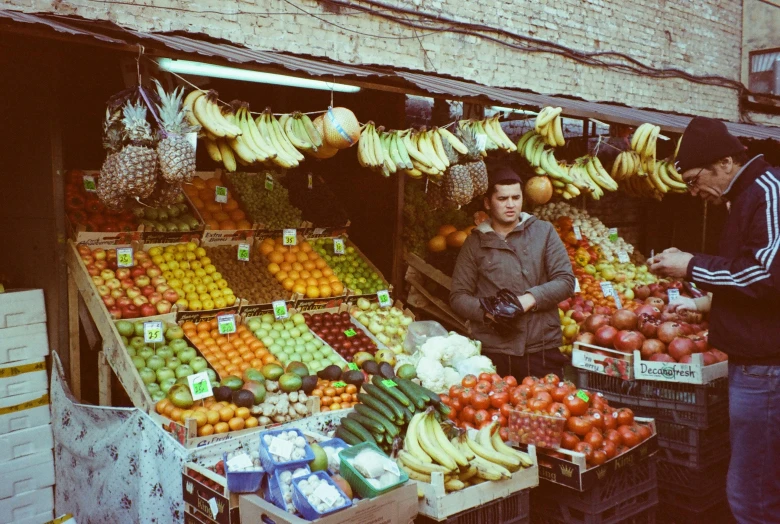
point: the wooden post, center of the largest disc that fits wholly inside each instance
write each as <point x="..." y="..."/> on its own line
<point x="399" y="264"/>
<point x="104" y="380"/>
<point x="74" y="339"/>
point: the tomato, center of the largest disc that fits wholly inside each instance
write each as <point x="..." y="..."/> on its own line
<point x="560" y="392"/>
<point x="630" y="436"/>
<point x="644" y="432"/>
<point x="596" y="418"/>
<point x="445" y="399"/>
<point x="529" y="381"/>
<point x="559" y="409"/>
<point x="512" y="381"/>
<point x="455" y="391"/>
<point x="453" y="415"/>
<point x="483" y="386"/>
<point x="518" y="395"/>
<point x="540" y="402"/>
<point x="504" y="434"/>
<point x="569" y="440"/>
<point x="587" y="449"/>
<point x="469" y="381"/>
<point x="467" y="396"/>
<point x="467" y="414"/>
<point x="551" y="378"/>
<point x="484" y="376"/>
<point x="506" y="410"/>
<point x="501" y="387"/>
<point x="499" y="399"/>
<point x="610" y="448"/>
<point x="625" y="417"/>
<point x="598" y="401"/>
<point x="593" y="438"/>
<point x="599" y="457"/>
<point x="576" y="405"/>
<point x="541" y="387"/>
<point x="622" y="449"/>
<point x="503" y="421"/>
<point x="481" y="401"/>
<point x="579" y="425"/>
<point x="495" y="377"/>
<point x="456" y="404"/>
<point x="610" y="422"/>
<point x="613" y="435"/>
<point x="481" y="416"/>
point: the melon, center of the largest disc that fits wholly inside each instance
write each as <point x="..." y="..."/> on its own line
<point x="325" y="151"/>
<point x="456" y="238"/>
<point x="437" y="244"/>
<point x="446" y="229"/>
<point x="538" y="190"/>
<point x="341" y="126"/>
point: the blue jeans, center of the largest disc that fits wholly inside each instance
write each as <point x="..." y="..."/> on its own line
<point x="754" y="471"/>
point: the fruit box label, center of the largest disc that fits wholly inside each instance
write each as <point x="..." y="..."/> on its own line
<point x="107" y="240"/>
<point x="198" y="495"/>
<point x="313" y="304"/>
<point x="256" y="310"/>
<point x="170" y="237"/>
<point x="616" y="366"/>
<point x="322" y="232"/>
<point x="230" y="237"/>
<point x="200" y="316"/>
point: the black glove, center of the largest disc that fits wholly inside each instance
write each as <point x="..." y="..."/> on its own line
<point x="503" y="309"/>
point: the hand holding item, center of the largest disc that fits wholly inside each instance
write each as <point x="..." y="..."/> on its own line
<point x="501" y="310"/>
<point x="670" y="263"/>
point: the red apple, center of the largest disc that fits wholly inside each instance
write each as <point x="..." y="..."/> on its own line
<point x="133" y="292"/>
<point x="104" y="291"/>
<point x="88" y="259"/>
<point x="164" y="306"/>
<point x="141" y="255"/>
<point x="115" y="312"/>
<point x="156" y="281"/>
<point x="127" y="283"/>
<point x="114" y="283"/>
<point x="93" y="271"/>
<point x="98" y="281"/>
<point x="130" y="311"/>
<point x="123" y="301"/>
<point x="99" y="253"/>
<point x="679" y="347"/>
<point x="122" y="273"/>
<point x="171" y="296"/>
<point x="148" y="290"/>
<point x="140" y="300"/>
<point x="153" y="272"/>
<point x="162" y="288"/>
<point x="148" y="310"/>
<point x="101" y="264"/>
<point x="142" y="281"/>
<point x="118" y="293"/>
<point x="109" y="301"/>
<point x="107" y="274"/>
<point x="137" y="271"/>
<point x="146" y="264"/>
<point x="83" y="249"/>
<point x="154" y="297"/>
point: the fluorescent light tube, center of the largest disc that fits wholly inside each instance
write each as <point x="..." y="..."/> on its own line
<point x="186" y="67"/>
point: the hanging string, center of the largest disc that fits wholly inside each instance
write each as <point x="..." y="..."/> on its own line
<point x="138" y="63"/>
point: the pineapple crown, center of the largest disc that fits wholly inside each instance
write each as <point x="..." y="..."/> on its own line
<point x="137" y="129"/>
<point x="112" y="131"/>
<point x="170" y="110"/>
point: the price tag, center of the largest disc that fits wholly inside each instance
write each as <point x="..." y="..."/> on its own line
<point x="481" y="140"/>
<point x="200" y="385"/>
<point x="353" y="366"/>
<point x="220" y="194"/>
<point x="239" y="462"/>
<point x="582" y="396"/>
<point x="338" y="246"/>
<point x="192" y="138"/>
<point x="392" y="467"/>
<point x="613" y="234"/>
<point x="89" y="184"/>
<point x="673" y="294"/>
<point x="350" y="333"/>
<point x="281" y="448"/>
<point x="290" y="237"/>
<point x="269" y="182"/>
<point x="226" y="324"/>
<point x="153" y="332"/>
<point x="280" y="310"/>
<point x="213" y="506"/>
<point x="339" y="384"/>
<point x="577" y="233"/>
<point x="623" y="257"/>
<point x="327" y="494"/>
<point x="577" y="288"/>
<point x="384" y="298"/>
<point x="389" y="383"/>
<point x="310" y="181"/>
<point x="124" y="257"/>
<point x="606" y="288"/>
<point x="618" y="302"/>
<point x="243" y="252"/>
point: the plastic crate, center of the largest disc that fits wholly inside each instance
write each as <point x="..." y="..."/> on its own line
<point x="717" y="514"/>
<point x="639" y="509"/>
<point x="357" y="481"/>
<point x="302" y="504"/>
<point x="336" y="443"/>
<point x="692" y="447"/>
<point x="242" y="481"/>
<point x="699" y="406"/>
<point x="269" y="464"/>
<point x="522" y="424"/>
<point x="514" y="509"/>
<point x="692" y="481"/>
<point x="273" y="492"/>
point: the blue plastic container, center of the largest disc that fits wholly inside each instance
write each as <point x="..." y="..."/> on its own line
<point x="242" y="481"/>
<point x="274" y="493"/>
<point x="269" y="464"/>
<point x="336" y="443"/>
<point x="302" y="504"/>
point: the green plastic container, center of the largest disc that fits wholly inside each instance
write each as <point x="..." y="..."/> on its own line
<point x="357" y="481"/>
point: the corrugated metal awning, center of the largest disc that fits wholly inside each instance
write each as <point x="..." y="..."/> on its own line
<point x="194" y="46"/>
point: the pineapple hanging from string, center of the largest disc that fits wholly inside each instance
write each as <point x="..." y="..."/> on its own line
<point x="176" y="154"/>
<point x="107" y="187"/>
<point x="137" y="164"/>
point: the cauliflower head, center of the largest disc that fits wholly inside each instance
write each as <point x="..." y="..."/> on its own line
<point x="431" y="374"/>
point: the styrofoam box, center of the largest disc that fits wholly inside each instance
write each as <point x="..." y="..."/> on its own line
<point x="27" y="474"/>
<point x="28" y="417"/>
<point x="27" y="507"/>
<point x="22" y="307"/>
<point x="30" y="380"/>
<point x="26" y="442"/>
<point x="23" y="342"/>
<point x="46" y="516"/>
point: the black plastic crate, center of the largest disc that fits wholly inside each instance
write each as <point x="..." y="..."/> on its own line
<point x="699" y="406"/>
<point x="688" y="481"/>
<point x="720" y="513"/>
<point x="639" y="509"/>
<point x="692" y="447"/>
<point x="513" y="509"/>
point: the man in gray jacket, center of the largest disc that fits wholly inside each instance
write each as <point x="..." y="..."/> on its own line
<point x="513" y="251"/>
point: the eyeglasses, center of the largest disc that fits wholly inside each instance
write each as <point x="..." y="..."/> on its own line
<point x="690" y="183"/>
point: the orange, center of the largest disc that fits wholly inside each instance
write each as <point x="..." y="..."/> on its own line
<point x="236" y="214"/>
<point x="231" y="205"/>
<point x="276" y="258"/>
<point x="256" y="363"/>
<point x="176" y="414"/>
<point x="317" y="274"/>
<point x="221" y="427"/>
<point x="212" y="417"/>
<point x="205" y="430"/>
<point x="243" y="413"/>
<point x="232" y="369"/>
<point x="306" y="247"/>
<point x="326" y="272"/>
<point x="243" y="224"/>
<point x="203" y="326"/>
<point x="312" y="292"/>
<point x="161" y="405"/>
<point x="213" y="207"/>
<point x="323" y="281"/>
<point x="251" y="422"/>
<point x="226" y="414"/>
<point x="290" y="257"/>
<point x="244" y="366"/>
<point x="305" y="274"/>
<point x="266" y="249"/>
<point x="302" y="257"/>
<point x="320" y="263"/>
<point x="299" y="288"/>
<point x="288" y="284"/>
<point x="269" y="359"/>
<point x="333" y="278"/>
<point x="200" y="418"/>
<point x="297" y="266"/>
<point x="325" y="291"/>
<point x="236" y="361"/>
<point x="212" y="224"/>
<point x="309" y="265"/>
<point x="293" y="275"/>
<point x="227" y="224"/>
<point x="187" y="326"/>
<point x="281" y="275"/>
<point x="335" y="406"/>
<point x="236" y="423"/>
<point x="285" y="266"/>
<point x="220" y="216"/>
<point x="337" y="288"/>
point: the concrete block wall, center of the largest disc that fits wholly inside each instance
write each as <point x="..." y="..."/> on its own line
<point x="701" y="37"/>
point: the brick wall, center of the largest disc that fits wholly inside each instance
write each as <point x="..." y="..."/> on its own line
<point x="699" y="36"/>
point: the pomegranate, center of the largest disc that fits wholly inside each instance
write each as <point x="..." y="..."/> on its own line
<point x="648" y="326"/>
<point x="628" y="341"/>
<point x="668" y="331"/>
<point x="650" y="311"/>
<point x="679" y="347"/>
<point x="686" y="359"/>
<point x="686" y="329"/>
<point x="641" y="292"/>
<point x="669" y="316"/>
<point x="623" y="319"/>
<point x="605" y="336"/>
<point x="709" y="358"/>
<point x="586" y="337"/>
<point x="655" y="302"/>
<point x="652" y="346"/>
<point x="662" y="357"/>
<point x="594" y="322"/>
<point x="578" y="315"/>
<point x="700" y="344"/>
<point x="720" y="355"/>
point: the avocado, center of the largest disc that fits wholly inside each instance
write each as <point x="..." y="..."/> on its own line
<point x="407" y="371"/>
<point x="354" y="377"/>
<point x="222" y="394"/>
<point x="371" y="367"/>
<point x="332" y="372"/>
<point x="308" y="384"/>
<point x="386" y="370"/>
<point x="243" y="398"/>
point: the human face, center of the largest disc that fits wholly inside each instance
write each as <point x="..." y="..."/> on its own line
<point x="709" y="183"/>
<point x="505" y="204"/>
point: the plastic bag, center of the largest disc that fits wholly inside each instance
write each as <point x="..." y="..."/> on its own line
<point x="419" y="332"/>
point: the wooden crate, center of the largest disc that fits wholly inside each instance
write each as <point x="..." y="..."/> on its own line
<point x="420" y="275"/>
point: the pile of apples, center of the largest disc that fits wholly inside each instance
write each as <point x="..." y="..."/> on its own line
<point x="128" y="292"/>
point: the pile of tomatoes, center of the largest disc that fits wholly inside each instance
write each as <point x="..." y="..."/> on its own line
<point x="592" y="426"/>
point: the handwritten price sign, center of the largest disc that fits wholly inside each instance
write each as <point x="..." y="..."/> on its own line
<point x="290" y="237"/>
<point x="226" y="324"/>
<point x="243" y="252"/>
<point x="220" y="194"/>
<point x="280" y="310"/>
<point x="384" y="298"/>
<point x="338" y="246"/>
<point x="153" y="332"/>
<point x="200" y="385"/>
<point x="124" y="257"/>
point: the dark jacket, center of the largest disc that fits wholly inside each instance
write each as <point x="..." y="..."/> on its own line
<point x="745" y="275"/>
<point x="532" y="259"/>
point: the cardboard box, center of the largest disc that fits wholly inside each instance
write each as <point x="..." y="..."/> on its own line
<point x="694" y="373"/>
<point x="24" y="412"/>
<point x="399" y="506"/>
<point x="22" y="307"/>
<point x="603" y="360"/>
<point x="24" y="377"/>
<point x="25" y="442"/>
<point x="23" y="343"/>
<point x="211" y="505"/>
<point x="32" y="507"/>
<point x="27" y="474"/>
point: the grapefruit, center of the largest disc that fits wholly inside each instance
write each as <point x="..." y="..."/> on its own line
<point x="437" y="244"/>
<point x="538" y="190"/>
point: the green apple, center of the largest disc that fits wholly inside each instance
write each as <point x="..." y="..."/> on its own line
<point x="267" y="318"/>
<point x="125" y="328"/>
<point x="198" y="364"/>
<point x="174" y="333"/>
<point x="254" y="324"/>
<point x="153" y="387"/>
<point x="137" y="342"/>
<point x="139" y="362"/>
<point x="187" y="354"/>
<point x="157" y="396"/>
<point x="298" y="319"/>
<point x="164" y="374"/>
<point x="130" y="351"/>
<point x="178" y="345"/>
<point x="147" y="375"/>
<point x="155" y="362"/>
<point x="166" y="384"/>
<point x="145" y="352"/>
<point x="183" y="371"/>
<point x="164" y="351"/>
<point x="172" y="363"/>
<point x="138" y="329"/>
<point x="212" y="375"/>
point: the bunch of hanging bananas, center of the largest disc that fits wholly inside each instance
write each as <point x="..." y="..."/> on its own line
<point x="663" y="179"/>
<point x="628" y="164"/>
<point x="494" y="136"/>
<point x="644" y="142"/>
<point x="549" y="126"/>
<point x="589" y="177"/>
<point x="462" y="460"/>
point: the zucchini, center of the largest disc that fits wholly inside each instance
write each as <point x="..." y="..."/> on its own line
<point x="407" y="414"/>
<point x="377" y="405"/>
<point x="370" y="424"/>
<point x="347" y="436"/>
<point x="407" y="386"/>
<point x="355" y="427"/>
<point x="393" y="391"/>
<point x="426" y="393"/>
<point x="378" y="393"/>
<point x="371" y="413"/>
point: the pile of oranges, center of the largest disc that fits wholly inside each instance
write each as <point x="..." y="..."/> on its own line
<point x="300" y="269"/>
<point x="216" y="215"/>
<point x="335" y="398"/>
<point x="228" y="354"/>
<point x="212" y="417"/>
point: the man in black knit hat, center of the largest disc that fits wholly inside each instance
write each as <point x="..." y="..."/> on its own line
<point x="744" y="304"/>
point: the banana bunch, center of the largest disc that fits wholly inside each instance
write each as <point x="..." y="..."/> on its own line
<point x="427" y="150"/>
<point x="490" y="128"/>
<point x="532" y="146"/>
<point x="640" y="187"/>
<point x="301" y="131"/>
<point x="643" y="142"/>
<point x="628" y="164"/>
<point x="591" y="166"/>
<point x="201" y="109"/>
<point x="663" y="179"/>
<point x="549" y="126"/>
<point x="463" y="460"/>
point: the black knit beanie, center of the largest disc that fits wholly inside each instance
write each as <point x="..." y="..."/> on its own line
<point x="704" y="141"/>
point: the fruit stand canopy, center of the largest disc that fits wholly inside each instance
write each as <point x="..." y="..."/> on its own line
<point x="201" y="47"/>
